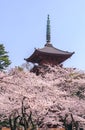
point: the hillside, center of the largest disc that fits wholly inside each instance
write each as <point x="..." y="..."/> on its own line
<point x="52" y="95"/>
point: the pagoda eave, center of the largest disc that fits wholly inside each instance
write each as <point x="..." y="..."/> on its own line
<point x="39" y="57"/>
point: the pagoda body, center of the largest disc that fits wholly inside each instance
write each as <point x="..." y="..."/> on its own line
<point x="49" y="54"/>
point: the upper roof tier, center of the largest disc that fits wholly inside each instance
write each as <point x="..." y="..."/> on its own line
<point x="48" y="48"/>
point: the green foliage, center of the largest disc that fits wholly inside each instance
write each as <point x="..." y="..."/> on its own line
<point x="4" y="58"/>
<point x="4" y="123"/>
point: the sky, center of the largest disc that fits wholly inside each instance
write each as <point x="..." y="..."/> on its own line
<point x="23" y="28"/>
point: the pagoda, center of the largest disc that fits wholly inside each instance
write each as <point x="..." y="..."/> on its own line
<point x="49" y="54"/>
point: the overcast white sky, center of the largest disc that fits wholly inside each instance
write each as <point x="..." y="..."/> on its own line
<point x="23" y="28"/>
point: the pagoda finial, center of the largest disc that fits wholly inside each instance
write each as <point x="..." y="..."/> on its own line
<point x="48" y="37"/>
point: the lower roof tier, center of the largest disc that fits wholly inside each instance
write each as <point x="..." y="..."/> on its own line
<point x="49" y="54"/>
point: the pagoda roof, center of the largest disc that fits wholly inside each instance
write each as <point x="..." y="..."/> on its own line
<point x="50" y="49"/>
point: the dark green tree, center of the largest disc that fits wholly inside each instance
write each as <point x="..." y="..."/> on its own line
<point x="4" y="58"/>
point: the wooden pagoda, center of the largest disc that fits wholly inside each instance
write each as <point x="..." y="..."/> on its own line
<point x="49" y="54"/>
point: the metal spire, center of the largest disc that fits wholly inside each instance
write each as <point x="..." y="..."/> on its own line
<point x="48" y="37"/>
